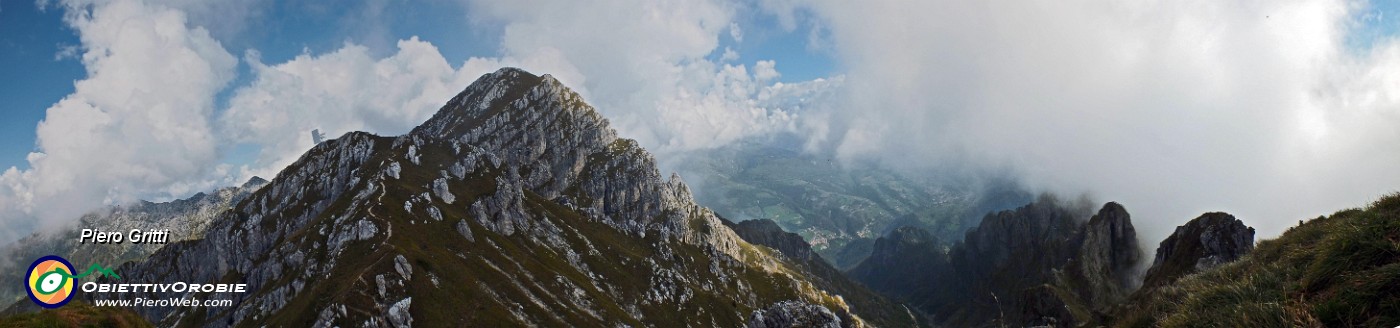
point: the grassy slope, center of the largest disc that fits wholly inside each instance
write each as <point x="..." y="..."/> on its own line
<point x="1341" y="270"/>
<point x="76" y="314"/>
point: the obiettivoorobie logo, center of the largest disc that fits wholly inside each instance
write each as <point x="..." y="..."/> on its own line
<point x="50" y="280"/>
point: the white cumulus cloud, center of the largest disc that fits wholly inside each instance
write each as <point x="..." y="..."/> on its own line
<point x="643" y="64"/>
<point x="136" y="126"/>
<point x="338" y="92"/>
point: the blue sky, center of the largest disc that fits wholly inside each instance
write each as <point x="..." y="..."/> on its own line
<point x="33" y="79"/>
<point x="1380" y="23"/>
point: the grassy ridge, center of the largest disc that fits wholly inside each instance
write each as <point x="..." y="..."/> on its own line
<point x="1341" y="270"/>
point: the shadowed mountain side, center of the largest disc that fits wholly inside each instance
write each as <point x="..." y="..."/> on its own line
<point x="1039" y="264"/>
<point x="790" y="245"/>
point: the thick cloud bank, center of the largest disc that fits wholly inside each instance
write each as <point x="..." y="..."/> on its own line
<point x="1260" y="108"/>
<point x="339" y="92"/>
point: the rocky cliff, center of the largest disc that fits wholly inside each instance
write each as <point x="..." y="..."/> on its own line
<point x="1042" y="264"/>
<point x="1104" y="269"/>
<point x="1205" y="242"/>
<point x="796" y="314"/>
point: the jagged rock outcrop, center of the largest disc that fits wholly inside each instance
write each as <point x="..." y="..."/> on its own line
<point x="1205" y="242"/>
<point x="1040" y="264"/>
<point x="516" y="196"/>
<point x="1010" y="252"/>
<point x="1108" y="255"/>
<point x="790" y="314"/>
<point x="1100" y="274"/>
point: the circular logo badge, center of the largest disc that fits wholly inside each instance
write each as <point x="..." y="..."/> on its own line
<point x="50" y="281"/>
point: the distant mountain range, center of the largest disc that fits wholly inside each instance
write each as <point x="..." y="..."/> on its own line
<point x="186" y="219"/>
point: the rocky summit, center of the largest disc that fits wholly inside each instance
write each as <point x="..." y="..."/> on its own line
<point x="516" y="204"/>
<point x="1203" y="243"/>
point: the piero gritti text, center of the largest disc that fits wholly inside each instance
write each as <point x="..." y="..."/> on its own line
<point x="135" y="236"/>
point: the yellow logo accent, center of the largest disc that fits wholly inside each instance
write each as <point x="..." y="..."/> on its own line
<point x="51" y="281"/>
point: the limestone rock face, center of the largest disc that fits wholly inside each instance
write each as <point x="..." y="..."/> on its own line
<point x="1208" y="241"/>
<point x="557" y="146"/>
<point x="789" y="314"/>
<point x="1107" y="256"/>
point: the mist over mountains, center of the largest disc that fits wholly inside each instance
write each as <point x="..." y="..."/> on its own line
<point x="840" y="209"/>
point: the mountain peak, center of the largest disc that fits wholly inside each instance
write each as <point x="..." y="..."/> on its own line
<point x="1210" y="240"/>
<point x="516" y="193"/>
<point x="509" y="96"/>
<point x="255" y="181"/>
